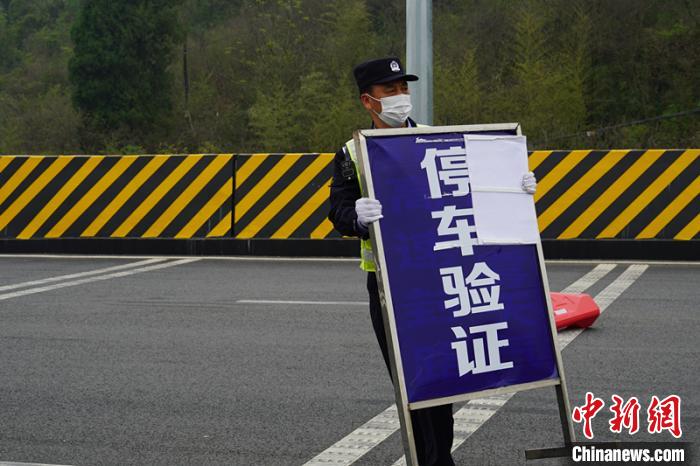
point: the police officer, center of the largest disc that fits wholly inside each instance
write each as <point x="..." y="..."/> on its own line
<point x="383" y="88"/>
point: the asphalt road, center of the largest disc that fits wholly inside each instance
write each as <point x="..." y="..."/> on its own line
<point x="160" y="364"/>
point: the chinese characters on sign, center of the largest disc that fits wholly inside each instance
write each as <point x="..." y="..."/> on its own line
<point x="661" y="415"/>
<point x="490" y="340"/>
<point x="470" y="315"/>
<point x="452" y="171"/>
<point x="474" y="294"/>
<point x="479" y="291"/>
<point x="462" y="229"/>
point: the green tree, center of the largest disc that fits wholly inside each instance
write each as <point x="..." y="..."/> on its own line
<point x="457" y="90"/>
<point x="276" y="74"/>
<point x="37" y="115"/>
<point x="534" y="78"/>
<point x="309" y="101"/>
<point x="570" y="67"/>
<point x="120" y="70"/>
<point x="273" y="120"/>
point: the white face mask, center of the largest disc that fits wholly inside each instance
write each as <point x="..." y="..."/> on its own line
<point x="395" y="109"/>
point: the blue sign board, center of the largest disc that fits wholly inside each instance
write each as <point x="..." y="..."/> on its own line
<point x="469" y="316"/>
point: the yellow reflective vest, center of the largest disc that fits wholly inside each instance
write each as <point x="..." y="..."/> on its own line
<point x="366" y="253"/>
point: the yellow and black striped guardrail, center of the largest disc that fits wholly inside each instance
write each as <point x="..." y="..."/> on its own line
<point x="581" y="194"/>
<point x="282" y="196"/>
<point x="618" y="194"/>
<point x="140" y="196"/>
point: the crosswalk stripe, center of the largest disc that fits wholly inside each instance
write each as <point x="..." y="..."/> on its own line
<point x="585" y="282"/>
<point x="469" y="412"/>
<point x="359" y="442"/>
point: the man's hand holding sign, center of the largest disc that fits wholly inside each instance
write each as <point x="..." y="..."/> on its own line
<point x="370" y="210"/>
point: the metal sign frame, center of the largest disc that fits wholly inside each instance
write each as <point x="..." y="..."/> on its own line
<point x="397" y="371"/>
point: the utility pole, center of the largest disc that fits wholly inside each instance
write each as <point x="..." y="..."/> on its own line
<point x="419" y="57"/>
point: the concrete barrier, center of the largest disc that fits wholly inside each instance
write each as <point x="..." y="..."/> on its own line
<point x="590" y="204"/>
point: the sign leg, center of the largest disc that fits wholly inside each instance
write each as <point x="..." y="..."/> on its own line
<point x="567" y="425"/>
<point x="409" y="441"/>
<point x="407" y="437"/>
<point x="562" y="393"/>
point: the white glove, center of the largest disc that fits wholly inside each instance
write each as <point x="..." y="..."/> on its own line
<point x="368" y="211"/>
<point x="529" y="183"/>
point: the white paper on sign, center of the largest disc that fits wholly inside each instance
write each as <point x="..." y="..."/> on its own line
<point x="496" y="161"/>
<point x="505" y="218"/>
<point x="503" y="212"/>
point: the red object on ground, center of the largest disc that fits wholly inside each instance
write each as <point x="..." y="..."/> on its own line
<point x="574" y="310"/>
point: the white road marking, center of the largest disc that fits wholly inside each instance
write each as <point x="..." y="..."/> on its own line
<point x="360" y="441"/>
<point x="328" y="303"/>
<point x="620" y="262"/>
<point x="585" y="282"/>
<point x="473" y="414"/>
<point x="229" y="258"/>
<point x="108" y="276"/>
<point x="80" y="274"/>
<point x="12" y="463"/>
<point x="76" y="256"/>
<point x="578" y="286"/>
<point x="606" y="297"/>
<point x="313" y="259"/>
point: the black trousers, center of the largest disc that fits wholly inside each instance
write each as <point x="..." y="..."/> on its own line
<point x="432" y="427"/>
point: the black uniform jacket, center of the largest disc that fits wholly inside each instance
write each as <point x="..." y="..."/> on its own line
<point x="345" y="190"/>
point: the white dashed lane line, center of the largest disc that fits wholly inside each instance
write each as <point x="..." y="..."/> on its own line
<point x="313" y="259"/>
<point x="10" y="463"/>
<point x="322" y="303"/>
<point x="474" y="413"/>
<point x="588" y="280"/>
<point x="82" y="281"/>
<point x="80" y="274"/>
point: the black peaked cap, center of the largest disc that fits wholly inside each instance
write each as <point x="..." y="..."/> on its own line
<point x="382" y="70"/>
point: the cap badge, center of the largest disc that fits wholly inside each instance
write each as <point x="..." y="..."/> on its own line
<point x="395" y="66"/>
